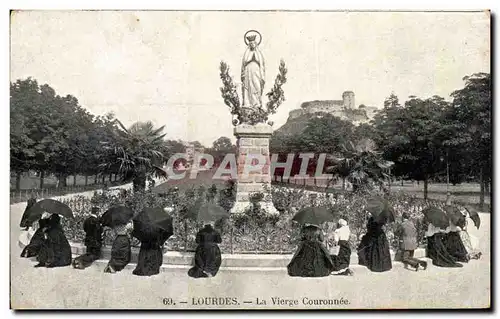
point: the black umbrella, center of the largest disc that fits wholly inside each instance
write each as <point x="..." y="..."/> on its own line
<point x="381" y="210"/>
<point x="117" y="215"/>
<point x="24" y="218"/>
<point x="474" y="216"/>
<point x="313" y="215"/>
<point x="153" y="224"/>
<point x="436" y="216"/>
<point x="455" y="215"/>
<point x="51" y="206"/>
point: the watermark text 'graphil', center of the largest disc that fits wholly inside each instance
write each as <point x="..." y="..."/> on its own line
<point x="244" y="165"/>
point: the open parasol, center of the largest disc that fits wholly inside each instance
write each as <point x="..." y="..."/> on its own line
<point x="473" y="214"/>
<point x="153" y="224"/>
<point x="24" y="218"/>
<point x="313" y="215"/>
<point x="117" y="215"/>
<point x="51" y="206"/>
<point x="436" y="216"/>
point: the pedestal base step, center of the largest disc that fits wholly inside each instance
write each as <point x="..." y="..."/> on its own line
<point x="228" y="260"/>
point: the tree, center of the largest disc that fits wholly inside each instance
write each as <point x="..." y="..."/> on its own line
<point x="69" y="122"/>
<point x="222" y="144"/>
<point x="391" y="101"/>
<point x="470" y="123"/>
<point x="137" y="152"/>
<point x="220" y="148"/>
<point x="174" y="146"/>
<point x="325" y="134"/>
<point x="196" y="144"/>
<point x="41" y="125"/>
<point x="103" y="133"/>
<point x="361" y="164"/>
<point x="364" y="131"/>
<point x="411" y="136"/>
<point x="24" y="98"/>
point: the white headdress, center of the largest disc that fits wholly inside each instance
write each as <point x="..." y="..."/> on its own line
<point x="46" y="215"/>
<point x="168" y="209"/>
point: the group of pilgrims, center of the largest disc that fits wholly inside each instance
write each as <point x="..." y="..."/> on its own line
<point x="49" y="246"/>
<point x="446" y="246"/>
<point x="449" y="246"/>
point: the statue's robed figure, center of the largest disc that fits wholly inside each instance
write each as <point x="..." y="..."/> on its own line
<point x="253" y="73"/>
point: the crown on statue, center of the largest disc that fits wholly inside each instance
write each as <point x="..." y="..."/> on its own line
<point x="251" y="37"/>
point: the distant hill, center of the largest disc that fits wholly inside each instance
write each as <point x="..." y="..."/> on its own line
<point x="344" y="109"/>
<point x="297" y="124"/>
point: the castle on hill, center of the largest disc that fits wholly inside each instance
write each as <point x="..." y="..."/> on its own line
<point x="345" y="109"/>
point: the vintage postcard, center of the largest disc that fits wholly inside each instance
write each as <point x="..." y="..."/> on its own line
<point x="250" y="160"/>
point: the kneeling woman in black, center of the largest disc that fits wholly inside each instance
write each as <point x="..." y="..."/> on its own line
<point x="55" y="250"/>
<point x="436" y="248"/>
<point x="207" y="258"/>
<point x="373" y="251"/>
<point x="311" y="259"/>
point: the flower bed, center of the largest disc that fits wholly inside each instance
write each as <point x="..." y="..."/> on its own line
<point x="253" y="231"/>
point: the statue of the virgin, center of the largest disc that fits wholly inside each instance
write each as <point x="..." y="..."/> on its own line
<point x="253" y="72"/>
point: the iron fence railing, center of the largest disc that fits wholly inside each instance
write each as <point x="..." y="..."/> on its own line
<point x="267" y="239"/>
<point x="24" y="194"/>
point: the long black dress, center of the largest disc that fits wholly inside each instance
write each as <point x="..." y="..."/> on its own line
<point x="456" y="247"/>
<point x="93" y="242"/>
<point x="121" y="253"/>
<point x="151" y="253"/>
<point x="55" y="250"/>
<point x="36" y="242"/>
<point x="436" y="250"/>
<point x="373" y="251"/>
<point x="343" y="258"/>
<point x="311" y="258"/>
<point x="207" y="258"/>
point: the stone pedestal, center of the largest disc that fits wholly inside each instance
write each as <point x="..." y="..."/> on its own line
<point x="254" y="166"/>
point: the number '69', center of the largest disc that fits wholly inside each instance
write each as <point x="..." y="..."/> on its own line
<point x="168" y="301"/>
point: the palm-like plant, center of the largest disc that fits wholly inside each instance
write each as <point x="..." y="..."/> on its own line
<point x="137" y="153"/>
<point x="360" y="164"/>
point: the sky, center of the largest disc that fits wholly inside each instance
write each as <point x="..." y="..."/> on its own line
<point x="163" y="66"/>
